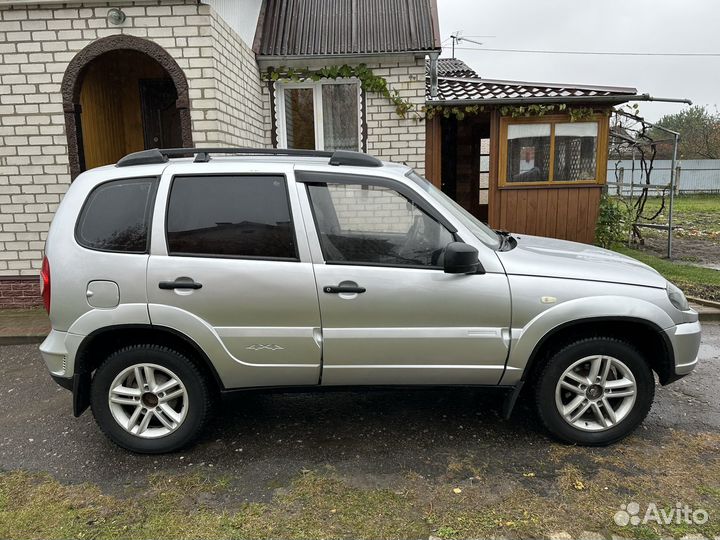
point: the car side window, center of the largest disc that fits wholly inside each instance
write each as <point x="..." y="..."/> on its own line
<point x="230" y="216"/>
<point x="116" y="216"/>
<point x="375" y="225"/>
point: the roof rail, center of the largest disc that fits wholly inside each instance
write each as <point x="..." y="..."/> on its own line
<point x="202" y="155"/>
<point x="357" y="159"/>
<point x="145" y="157"/>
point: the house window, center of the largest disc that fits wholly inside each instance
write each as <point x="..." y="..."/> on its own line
<point x="551" y="150"/>
<point x="322" y="115"/>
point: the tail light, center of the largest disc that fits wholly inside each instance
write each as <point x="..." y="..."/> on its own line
<point x="45" y="284"/>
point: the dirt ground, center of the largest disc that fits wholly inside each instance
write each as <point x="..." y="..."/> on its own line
<point x="696" y="229"/>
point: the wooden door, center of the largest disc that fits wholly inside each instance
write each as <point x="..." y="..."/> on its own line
<point x="161" y="119"/>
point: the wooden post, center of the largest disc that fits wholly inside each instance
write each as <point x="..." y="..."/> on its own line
<point x="494" y="196"/>
<point x="433" y="151"/>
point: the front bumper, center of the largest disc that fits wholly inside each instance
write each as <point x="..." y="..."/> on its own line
<point x="685" y="341"/>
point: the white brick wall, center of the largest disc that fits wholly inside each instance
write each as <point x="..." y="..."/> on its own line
<point x="243" y="118"/>
<point x="390" y="137"/>
<point x="36" y="45"/>
<point x="229" y="104"/>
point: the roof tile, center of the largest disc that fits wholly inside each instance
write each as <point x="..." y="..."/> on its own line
<point x="457" y="81"/>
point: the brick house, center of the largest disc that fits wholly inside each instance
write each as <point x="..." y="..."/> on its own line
<point x="82" y="84"/>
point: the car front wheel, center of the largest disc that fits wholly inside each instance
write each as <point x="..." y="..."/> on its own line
<point x="149" y="399"/>
<point x="595" y="391"/>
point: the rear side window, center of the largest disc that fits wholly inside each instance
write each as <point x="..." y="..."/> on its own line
<point x="116" y="216"/>
<point x="230" y="216"/>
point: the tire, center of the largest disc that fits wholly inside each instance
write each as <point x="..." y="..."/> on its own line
<point x="176" y="413"/>
<point x="565" y="381"/>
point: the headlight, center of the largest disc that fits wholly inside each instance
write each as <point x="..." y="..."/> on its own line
<point x="677" y="297"/>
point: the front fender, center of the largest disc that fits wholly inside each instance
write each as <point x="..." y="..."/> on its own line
<point x="525" y="339"/>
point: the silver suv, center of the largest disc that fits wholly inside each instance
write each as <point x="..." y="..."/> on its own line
<point x="170" y="282"/>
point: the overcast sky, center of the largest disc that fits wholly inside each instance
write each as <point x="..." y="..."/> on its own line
<point x="599" y="25"/>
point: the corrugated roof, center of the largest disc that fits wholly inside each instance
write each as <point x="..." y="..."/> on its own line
<point x="341" y="27"/>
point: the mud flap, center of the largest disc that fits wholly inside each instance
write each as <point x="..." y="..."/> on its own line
<point x="510" y="400"/>
<point x="81" y="393"/>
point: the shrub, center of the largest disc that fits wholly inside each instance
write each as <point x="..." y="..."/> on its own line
<point x="613" y="224"/>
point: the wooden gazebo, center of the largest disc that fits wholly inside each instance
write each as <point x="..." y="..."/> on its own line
<point x="525" y="157"/>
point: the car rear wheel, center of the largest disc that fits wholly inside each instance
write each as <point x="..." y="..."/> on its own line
<point x="594" y="391"/>
<point x="150" y="399"/>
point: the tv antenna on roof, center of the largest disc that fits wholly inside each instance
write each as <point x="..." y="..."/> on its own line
<point x="457" y="37"/>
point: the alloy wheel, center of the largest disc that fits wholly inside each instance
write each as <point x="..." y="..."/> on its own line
<point x="148" y="400"/>
<point x="596" y="393"/>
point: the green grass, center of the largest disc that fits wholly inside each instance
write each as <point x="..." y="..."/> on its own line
<point x="675" y="271"/>
<point x="695" y="215"/>
<point x="690" y="204"/>
<point x="694" y="280"/>
<point x="576" y="489"/>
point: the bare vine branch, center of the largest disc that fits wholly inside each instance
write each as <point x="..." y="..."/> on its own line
<point x="632" y="137"/>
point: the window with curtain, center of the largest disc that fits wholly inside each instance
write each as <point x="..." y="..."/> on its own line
<point x="550" y="149"/>
<point x="575" y="151"/>
<point x="528" y="153"/>
<point x="322" y="115"/>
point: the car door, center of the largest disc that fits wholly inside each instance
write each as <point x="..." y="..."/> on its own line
<point x="230" y="268"/>
<point x="390" y="314"/>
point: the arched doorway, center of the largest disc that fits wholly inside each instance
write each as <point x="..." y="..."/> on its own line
<point x="122" y="94"/>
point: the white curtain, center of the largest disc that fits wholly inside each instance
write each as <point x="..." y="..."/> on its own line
<point x="340" y="116"/>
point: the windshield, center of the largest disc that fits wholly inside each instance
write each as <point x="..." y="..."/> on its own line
<point x="483" y="233"/>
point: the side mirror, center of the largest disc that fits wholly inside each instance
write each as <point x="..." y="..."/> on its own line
<point x="461" y="258"/>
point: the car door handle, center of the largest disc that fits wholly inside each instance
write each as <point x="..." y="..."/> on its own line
<point x="339" y="289"/>
<point x="186" y="283"/>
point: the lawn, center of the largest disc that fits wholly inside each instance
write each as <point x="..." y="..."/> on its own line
<point x="694" y="215"/>
<point x="694" y="280"/>
<point x="565" y="489"/>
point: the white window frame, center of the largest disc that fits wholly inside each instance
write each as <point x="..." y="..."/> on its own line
<point x="316" y="86"/>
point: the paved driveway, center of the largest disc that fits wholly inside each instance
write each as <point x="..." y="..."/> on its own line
<point x="262" y="441"/>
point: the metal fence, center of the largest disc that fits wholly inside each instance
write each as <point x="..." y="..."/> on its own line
<point x="693" y="176"/>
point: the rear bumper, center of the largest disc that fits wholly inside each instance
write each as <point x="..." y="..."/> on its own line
<point x="685" y="341"/>
<point x="65" y="382"/>
<point x="58" y="351"/>
<point x="55" y="354"/>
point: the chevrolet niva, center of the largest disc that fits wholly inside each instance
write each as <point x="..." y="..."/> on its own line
<point x="172" y="281"/>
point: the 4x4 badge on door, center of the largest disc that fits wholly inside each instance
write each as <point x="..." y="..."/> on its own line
<point x="265" y="347"/>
